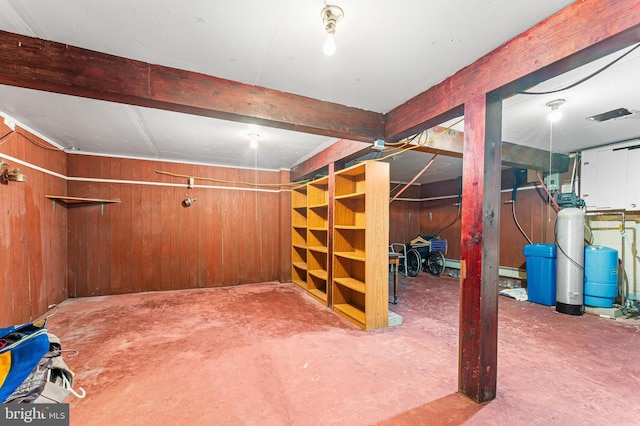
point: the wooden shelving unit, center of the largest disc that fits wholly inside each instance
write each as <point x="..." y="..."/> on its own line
<point x="353" y="243"/>
<point x="299" y="236"/>
<point x="318" y="239"/>
<point x="360" y="244"/>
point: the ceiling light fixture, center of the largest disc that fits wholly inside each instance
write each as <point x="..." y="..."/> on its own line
<point x="555" y="114"/>
<point x="254" y="134"/>
<point x="254" y="142"/>
<point x="331" y="15"/>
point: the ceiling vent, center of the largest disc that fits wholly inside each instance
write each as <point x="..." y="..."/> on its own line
<point x="613" y="114"/>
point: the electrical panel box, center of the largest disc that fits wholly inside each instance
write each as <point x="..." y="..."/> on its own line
<point x="552" y="181"/>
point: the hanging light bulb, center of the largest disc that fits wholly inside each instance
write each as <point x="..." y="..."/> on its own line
<point x="330" y="17"/>
<point x="254" y="135"/>
<point x="555" y="114"/>
<point x="329" y="47"/>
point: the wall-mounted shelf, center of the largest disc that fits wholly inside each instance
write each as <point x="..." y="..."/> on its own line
<point x="68" y="201"/>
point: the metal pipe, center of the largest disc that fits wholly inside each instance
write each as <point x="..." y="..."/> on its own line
<point x="623" y="230"/>
<point x="415" y="178"/>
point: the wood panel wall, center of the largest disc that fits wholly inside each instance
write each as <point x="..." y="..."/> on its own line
<point x="439" y="211"/>
<point x="34" y="237"/>
<point x="404" y="216"/>
<point x="149" y="241"/>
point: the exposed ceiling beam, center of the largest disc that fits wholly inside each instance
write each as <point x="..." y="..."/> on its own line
<point x="451" y="143"/>
<point x="578" y="34"/>
<point x="55" y="67"/>
<point x="343" y="150"/>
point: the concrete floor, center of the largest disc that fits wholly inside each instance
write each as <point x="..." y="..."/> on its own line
<point x="266" y="354"/>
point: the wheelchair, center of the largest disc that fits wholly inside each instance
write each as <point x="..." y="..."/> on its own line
<point x="426" y="253"/>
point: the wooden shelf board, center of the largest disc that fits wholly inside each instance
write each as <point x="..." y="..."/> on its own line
<point x="318" y="294"/>
<point x="319" y="273"/>
<point x="79" y="200"/>
<point x="319" y="206"/>
<point x="351" y="312"/>
<point x="300" y="265"/>
<point x="300" y="226"/>
<point x="355" y="227"/>
<point x="301" y="284"/>
<point x="360" y="256"/>
<point x="321" y="249"/>
<point x="317" y="228"/>
<point x="351" y="283"/>
<point x="301" y="207"/>
<point x="360" y="194"/>
<point x="300" y="245"/>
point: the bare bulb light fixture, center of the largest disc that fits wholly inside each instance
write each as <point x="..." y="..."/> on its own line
<point x="555" y="114"/>
<point x="253" y="140"/>
<point x="331" y="15"/>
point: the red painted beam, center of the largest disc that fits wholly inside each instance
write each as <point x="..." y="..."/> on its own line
<point x="578" y="34"/>
<point x="340" y="150"/>
<point x="479" y="251"/>
<point x="55" y="67"/>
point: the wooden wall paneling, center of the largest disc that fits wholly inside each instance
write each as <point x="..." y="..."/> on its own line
<point x="207" y="263"/>
<point x="55" y="224"/>
<point x="33" y="271"/>
<point x="21" y="238"/>
<point x="73" y="252"/>
<point x="125" y="227"/>
<point x="139" y="233"/>
<point x="246" y="240"/>
<point x="76" y="226"/>
<point x="20" y="234"/>
<point x="154" y="195"/>
<point x="165" y="222"/>
<point x="270" y="230"/>
<point x="208" y="220"/>
<point x="35" y="234"/>
<point x="188" y="230"/>
<point x="114" y="224"/>
<point x="215" y="241"/>
<point x="173" y="229"/>
<point x="8" y="288"/>
<point x="231" y="230"/>
<point x="227" y="237"/>
<point x="404" y="216"/>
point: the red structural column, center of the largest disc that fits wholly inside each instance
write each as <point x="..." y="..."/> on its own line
<point x="480" y="248"/>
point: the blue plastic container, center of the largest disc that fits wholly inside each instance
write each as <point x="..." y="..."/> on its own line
<point x="541" y="273"/>
<point x="601" y="276"/>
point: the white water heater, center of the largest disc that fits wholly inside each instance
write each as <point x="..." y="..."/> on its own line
<point x="570" y="261"/>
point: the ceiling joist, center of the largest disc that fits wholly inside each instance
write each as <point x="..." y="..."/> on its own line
<point x="55" y="67"/>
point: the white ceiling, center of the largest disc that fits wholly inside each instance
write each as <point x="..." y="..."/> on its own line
<point x="386" y="54"/>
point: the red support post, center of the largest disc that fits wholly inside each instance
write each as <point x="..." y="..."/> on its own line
<point x="480" y="240"/>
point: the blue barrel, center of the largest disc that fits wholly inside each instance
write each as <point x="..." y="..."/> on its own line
<point x="541" y="273"/>
<point x="601" y="276"/>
